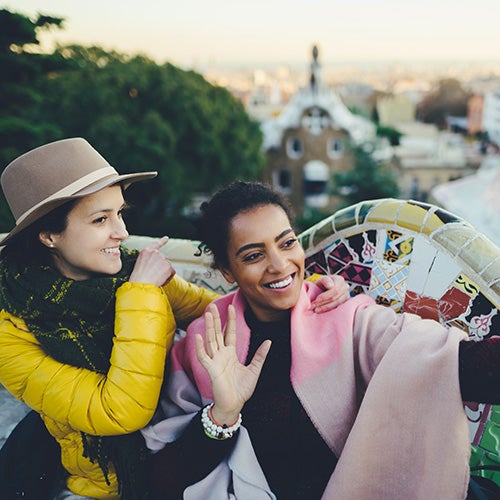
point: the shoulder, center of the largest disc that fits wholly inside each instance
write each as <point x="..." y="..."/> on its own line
<point x="311" y="291"/>
<point x="178" y="287"/>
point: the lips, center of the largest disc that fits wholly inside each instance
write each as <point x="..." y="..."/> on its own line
<point x="277" y="285"/>
<point x="111" y="251"/>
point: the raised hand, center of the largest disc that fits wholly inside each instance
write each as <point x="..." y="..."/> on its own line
<point x="232" y="382"/>
<point x="336" y="293"/>
<point x="152" y="266"/>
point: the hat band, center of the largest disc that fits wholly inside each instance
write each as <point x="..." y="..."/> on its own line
<point x="71" y="189"/>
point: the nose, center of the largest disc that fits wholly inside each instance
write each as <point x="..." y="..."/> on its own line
<point x="119" y="230"/>
<point x="277" y="261"/>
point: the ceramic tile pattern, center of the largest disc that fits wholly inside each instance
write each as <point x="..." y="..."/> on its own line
<point x="414" y="257"/>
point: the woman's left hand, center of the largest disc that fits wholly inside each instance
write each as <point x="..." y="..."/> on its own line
<point x="336" y="293"/>
<point x="232" y="382"/>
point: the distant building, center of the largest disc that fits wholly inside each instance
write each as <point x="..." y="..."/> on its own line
<point x="395" y="109"/>
<point x="491" y="116"/>
<point x="359" y="97"/>
<point x="309" y="141"/>
<point x="475" y="106"/>
<point x="476" y="198"/>
<point x="427" y="157"/>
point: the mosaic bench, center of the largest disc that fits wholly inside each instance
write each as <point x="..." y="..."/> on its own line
<point x="409" y="256"/>
<point x="415" y="257"/>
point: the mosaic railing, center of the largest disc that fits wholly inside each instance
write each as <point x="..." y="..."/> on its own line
<point x="415" y="257"/>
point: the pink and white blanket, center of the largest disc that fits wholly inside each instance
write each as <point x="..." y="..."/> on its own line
<point x="381" y="388"/>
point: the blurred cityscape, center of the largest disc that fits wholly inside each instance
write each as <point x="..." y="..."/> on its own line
<point x="446" y="116"/>
<point x="277" y="83"/>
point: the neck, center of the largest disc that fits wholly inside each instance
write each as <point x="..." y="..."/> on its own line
<point x="271" y="316"/>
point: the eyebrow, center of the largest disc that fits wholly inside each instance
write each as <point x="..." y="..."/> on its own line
<point x="106" y="210"/>
<point x="261" y="245"/>
<point x="100" y="211"/>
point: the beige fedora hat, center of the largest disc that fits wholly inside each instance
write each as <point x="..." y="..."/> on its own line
<point x="44" y="178"/>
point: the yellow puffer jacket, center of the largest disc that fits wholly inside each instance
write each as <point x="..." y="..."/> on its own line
<point x="72" y="399"/>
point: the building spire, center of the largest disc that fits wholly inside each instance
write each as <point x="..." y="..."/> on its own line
<point x="315" y="77"/>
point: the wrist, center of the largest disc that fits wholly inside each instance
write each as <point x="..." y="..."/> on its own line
<point x="223" y="417"/>
<point x="217" y="430"/>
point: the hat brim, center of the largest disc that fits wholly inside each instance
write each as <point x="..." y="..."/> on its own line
<point x="125" y="179"/>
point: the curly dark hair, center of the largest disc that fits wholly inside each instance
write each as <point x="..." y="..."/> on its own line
<point x="227" y="203"/>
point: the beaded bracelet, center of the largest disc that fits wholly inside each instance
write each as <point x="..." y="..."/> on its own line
<point x="213" y="429"/>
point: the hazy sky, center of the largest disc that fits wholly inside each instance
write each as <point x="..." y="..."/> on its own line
<point x="199" y="32"/>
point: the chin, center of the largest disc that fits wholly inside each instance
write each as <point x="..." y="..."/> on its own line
<point x="286" y="305"/>
<point x="111" y="270"/>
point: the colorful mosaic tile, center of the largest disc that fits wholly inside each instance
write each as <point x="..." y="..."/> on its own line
<point x="478" y="415"/>
<point x="482" y="317"/>
<point x="398" y="246"/>
<point x="364" y="245"/>
<point x="388" y="282"/>
<point x="465" y="284"/>
<point x="418" y="258"/>
<point x="442" y="272"/>
<point x="339" y="255"/>
<point x="426" y="307"/>
<point x="452" y="304"/>
<point x="357" y="273"/>
<point x="345" y="218"/>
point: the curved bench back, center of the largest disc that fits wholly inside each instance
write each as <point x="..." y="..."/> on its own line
<point x="418" y="258"/>
<point x="189" y="262"/>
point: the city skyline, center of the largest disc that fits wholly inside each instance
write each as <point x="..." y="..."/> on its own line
<point x="195" y="34"/>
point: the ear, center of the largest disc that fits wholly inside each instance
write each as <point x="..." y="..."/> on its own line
<point x="46" y="239"/>
<point x="228" y="275"/>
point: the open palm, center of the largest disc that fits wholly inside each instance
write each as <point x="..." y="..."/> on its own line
<point x="232" y="382"/>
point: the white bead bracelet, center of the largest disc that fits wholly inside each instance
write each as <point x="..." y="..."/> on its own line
<point x="215" y="430"/>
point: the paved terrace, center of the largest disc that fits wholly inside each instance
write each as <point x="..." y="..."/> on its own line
<point x="11" y="411"/>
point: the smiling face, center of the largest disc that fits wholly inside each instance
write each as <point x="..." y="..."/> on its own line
<point x="89" y="245"/>
<point x="266" y="260"/>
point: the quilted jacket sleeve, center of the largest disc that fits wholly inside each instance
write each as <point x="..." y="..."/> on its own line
<point x="188" y="301"/>
<point x="121" y="401"/>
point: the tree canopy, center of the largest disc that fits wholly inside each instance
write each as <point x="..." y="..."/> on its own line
<point x="22" y="69"/>
<point x="142" y="116"/>
<point x="447" y="99"/>
<point x="368" y="179"/>
<point x="139" y="115"/>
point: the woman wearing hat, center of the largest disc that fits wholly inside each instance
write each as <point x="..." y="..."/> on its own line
<point x="85" y="325"/>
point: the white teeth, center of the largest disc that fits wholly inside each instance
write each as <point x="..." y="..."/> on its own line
<point x="280" y="284"/>
<point x="110" y="250"/>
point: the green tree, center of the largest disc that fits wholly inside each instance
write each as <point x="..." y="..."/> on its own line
<point x="447" y="99"/>
<point x="138" y="114"/>
<point x="367" y="180"/>
<point x="145" y="116"/>
<point x="390" y="133"/>
<point x="23" y="68"/>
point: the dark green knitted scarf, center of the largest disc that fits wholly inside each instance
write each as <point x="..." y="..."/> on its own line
<point x="74" y="322"/>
